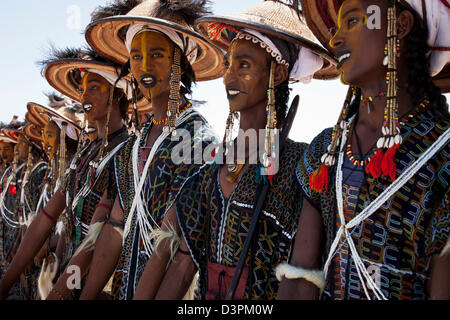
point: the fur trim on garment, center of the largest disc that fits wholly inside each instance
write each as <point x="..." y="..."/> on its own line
<point x="190" y="294"/>
<point x="46" y="276"/>
<point x="446" y="249"/>
<point x="159" y="235"/>
<point x="316" y="277"/>
<point x="88" y="243"/>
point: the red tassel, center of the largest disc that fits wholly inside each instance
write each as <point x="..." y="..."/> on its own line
<point x="271" y="170"/>
<point x="374" y="165"/>
<point x="319" y="179"/>
<point x="12" y="190"/>
<point x="388" y="165"/>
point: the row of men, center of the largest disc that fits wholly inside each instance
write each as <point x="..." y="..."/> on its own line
<point x="362" y="212"/>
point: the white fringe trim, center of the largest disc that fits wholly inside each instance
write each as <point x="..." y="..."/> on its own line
<point x="287" y="271"/>
<point x="159" y="235"/>
<point x="446" y="249"/>
<point x="119" y="230"/>
<point x="190" y="294"/>
<point x="91" y="238"/>
<point x="46" y="276"/>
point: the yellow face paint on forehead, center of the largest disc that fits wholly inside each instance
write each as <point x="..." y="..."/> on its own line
<point x="151" y="61"/>
<point x="50" y="138"/>
<point x="91" y="76"/>
<point x="351" y="17"/>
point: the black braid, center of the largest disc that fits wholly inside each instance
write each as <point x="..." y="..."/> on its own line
<point x="420" y="85"/>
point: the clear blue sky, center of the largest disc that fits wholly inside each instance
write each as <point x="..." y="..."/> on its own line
<point x="28" y="27"/>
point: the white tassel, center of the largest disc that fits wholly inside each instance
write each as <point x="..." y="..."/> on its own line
<point x="159" y="235"/>
<point x="446" y="249"/>
<point x="59" y="228"/>
<point x="316" y="277"/>
<point x="119" y="230"/>
<point x="46" y="276"/>
<point x="91" y="238"/>
<point x="190" y="294"/>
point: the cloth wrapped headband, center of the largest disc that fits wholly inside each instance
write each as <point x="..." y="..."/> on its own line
<point x="306" y="65"/>
<point x="112" y="78"/>
<point x="187" y="45"/>
<point x="438" y="21"/>
<point x="71" y="132"/>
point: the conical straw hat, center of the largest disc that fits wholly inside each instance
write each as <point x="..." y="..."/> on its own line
<point x="107" y="36"/>
<point x="274" y="19"/>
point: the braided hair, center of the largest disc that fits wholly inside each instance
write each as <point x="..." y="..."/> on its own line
<point x="420" y="84"/>
<point x="290" y="52"/>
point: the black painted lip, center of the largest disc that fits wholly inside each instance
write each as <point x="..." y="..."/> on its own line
<point x="87" y="110"/>
<point x="148" y="76"/>
<point x="232" y="96"/>
<point x="339" y="54"/>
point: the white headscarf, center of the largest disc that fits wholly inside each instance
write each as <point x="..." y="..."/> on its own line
<point x="306" y="65"/>
<point x="438" y="20"/>
<point x="189" y="46"/>
<point x="112" y="78"/>
<point x="71" y="132"/>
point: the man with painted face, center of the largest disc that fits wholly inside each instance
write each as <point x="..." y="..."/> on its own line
<point x="8" y="206"/>
<point x="93" y="81"/>
<point x="216" y="206"/>
<point x="376" y="208"/>
<point x="15" y="205"/>
<point x="6" y="153"/>
<point x="166" y="57"/>
<point x="66" y="113"/>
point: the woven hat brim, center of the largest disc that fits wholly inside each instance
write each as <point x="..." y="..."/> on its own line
<point x="103" y="36"/>
<point x="34" y="120"/>
<point x="58" y="76"/>
<point x="12" y="134"/>
<point x="33" y="132"/>
<point x="327" y="72"/>
<point x="4" y="138"/>
<point x="322" y="16"/>
<point x="44" y="114"/>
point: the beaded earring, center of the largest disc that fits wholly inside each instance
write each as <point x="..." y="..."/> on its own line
<point x="174" y="97"/>
<point x="135" y="121"/>
<point x="62" y="153"/>
<point x="271" y="123"/>
<point x="382" y="163"/>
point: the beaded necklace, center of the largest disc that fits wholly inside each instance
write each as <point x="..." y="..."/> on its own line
<point x="405" y="119"/>
<point x="179" y="111"/>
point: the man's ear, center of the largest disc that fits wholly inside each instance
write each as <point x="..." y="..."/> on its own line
<point x="405" y="23"/>
<point x="281" y="74"/>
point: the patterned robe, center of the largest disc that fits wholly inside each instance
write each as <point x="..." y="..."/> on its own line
<point x="164" y="181"/>
<point x="77" y="221"/>
<point x="9" y="234"/>
<point x="229" y="220"/>
<point x="399" y="239"/>
<point x="33" y="191"/>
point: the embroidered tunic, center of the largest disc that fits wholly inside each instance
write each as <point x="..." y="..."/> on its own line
<point x="202" y="199"/>
<point x="34" y="186"/>
<point x="9" y="234"/>
<point x="397" y="242"/>
<point x="163" y="182"/>
<point x="33" y="189"/>
<point x="78" y="220"/>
